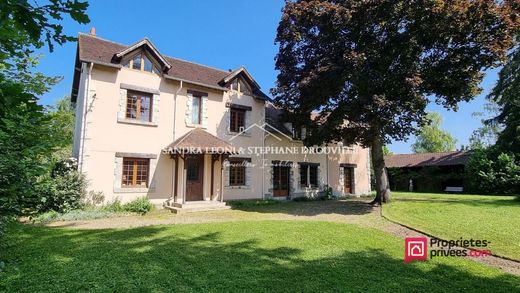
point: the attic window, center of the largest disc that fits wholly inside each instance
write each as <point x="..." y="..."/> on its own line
<point x="143" y="63"/>
<point x="241" y="86"/>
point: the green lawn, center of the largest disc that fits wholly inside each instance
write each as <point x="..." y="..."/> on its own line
<point x="235" y="256"/>
<point x="449" y="216"/>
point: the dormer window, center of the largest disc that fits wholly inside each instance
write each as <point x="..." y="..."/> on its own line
<point x="241" y="86"/>
<point x="143" y="63"/>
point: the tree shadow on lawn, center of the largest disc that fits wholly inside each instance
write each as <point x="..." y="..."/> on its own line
<point x="477" y="202"/>
<point x="164" y="259"/>
<point x="309" y="208"/>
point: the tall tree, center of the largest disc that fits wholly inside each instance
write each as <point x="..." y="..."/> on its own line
<point x="506" y="94"/>
<point x="487" y="134"/>
<point x="432" y="138"/>
<point x="27" y="135"/>
<point x="377" y="64"/>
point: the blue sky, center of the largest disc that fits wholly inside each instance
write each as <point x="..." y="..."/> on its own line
<point x="223" y="34"/>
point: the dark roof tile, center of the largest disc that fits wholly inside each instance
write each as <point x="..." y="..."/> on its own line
<point x="427" y="159"/>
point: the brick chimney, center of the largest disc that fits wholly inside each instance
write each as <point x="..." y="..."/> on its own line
<point x="92" y="31"/>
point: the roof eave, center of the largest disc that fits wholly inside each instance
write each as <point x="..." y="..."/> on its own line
<point x="196" y="83"/>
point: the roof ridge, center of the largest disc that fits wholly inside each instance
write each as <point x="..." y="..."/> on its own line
<point x="195" y="63"/>
<point x="183" y="137"/>
<point x="103" y="39"/>
<point x="176" y="58"/>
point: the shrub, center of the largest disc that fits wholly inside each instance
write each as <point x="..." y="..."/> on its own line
<point x="63" y="190"/>
<point x="94" y="198"/>
<point x="73" y="215"/>
<point x="85" y="215"/>
<point x="491" y="172"/>
<point x="140" y="205"/>
<point x="252" y="202"/>
<point x="115" y="206"/>
<point x="47" y="217"/>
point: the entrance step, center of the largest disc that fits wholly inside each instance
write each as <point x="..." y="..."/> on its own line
<point x="196" y="206"/>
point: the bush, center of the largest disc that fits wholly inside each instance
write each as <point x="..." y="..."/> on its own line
<point x="252" y="202"/>
<point x="140" y="205"/>
<point x="115" y="206"/>
<point x="94" y="198"/>
<point x="47" y="217"/>
<point x="491" y="172"/>
<point x="62" y="191"/>
<point x="73" y="215"/>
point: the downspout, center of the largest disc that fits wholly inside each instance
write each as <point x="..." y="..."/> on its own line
<point x="84" y="120"/>
<point x="175" y="167"/>
<point x="264" y="136"/>
<point x="175" y="108"/>
<point x="327" y="168"/>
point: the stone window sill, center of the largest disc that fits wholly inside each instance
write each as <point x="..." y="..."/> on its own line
<point x="237" y="187"/>
<point x="137" y="122"/>
<point x="131" y="190"/>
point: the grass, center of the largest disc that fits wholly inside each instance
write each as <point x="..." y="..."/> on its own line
<point x="236" y="256"/>
<point x="448" y="216"/>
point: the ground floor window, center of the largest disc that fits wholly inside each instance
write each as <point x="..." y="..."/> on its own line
<point x="135" y="172"/>
<point x="309" y="175"/>
<point x="237" y="171"/>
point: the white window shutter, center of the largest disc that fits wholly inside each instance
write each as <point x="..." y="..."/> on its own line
<point x="189" y="101"/>
<point x="248" y="175"/>
<point x="122" y="104"/>
<point x="341" y="178"/>
<point x="152" y="183"/>
<point x="156" y="106"/>
<point x="247" y="120"/>
<point x="227" y="118"/>
<point x="204" y="117"/>
<point x="118" y="169"/>
<point x="226" y="173"/>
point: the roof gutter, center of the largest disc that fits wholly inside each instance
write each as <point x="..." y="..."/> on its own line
<point x="102" y="63"/>
<point x="196" y="83"/>
<point x="84" y="122"/>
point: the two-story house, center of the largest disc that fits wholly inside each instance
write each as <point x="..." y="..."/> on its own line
<point x="182" y="133"/>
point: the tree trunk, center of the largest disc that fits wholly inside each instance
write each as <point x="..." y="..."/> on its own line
<point x="378" y="163"/>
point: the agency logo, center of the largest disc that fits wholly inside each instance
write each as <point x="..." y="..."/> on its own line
<point x="267" y="128"/>
<point x="415" y="248"/>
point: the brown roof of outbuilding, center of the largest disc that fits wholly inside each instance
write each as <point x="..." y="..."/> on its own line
<point x="202" y="141"/>
<point x="94" y="49"/>
<point x="427" y="159"/>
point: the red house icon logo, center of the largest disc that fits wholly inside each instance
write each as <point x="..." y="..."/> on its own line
<point x="415" y="248"/>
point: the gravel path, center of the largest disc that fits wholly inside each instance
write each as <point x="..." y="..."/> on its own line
<point x="348" y="211"/>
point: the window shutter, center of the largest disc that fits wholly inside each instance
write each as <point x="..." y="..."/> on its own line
<point x="247" y="120"/>
<point x="303" y="133"/>
<point x="318" y="177"/>
<point x="227" y="118"/>
<point x="122" y="104"/>
<point x="355" y="179"/>
<point x="248" y="175"/>
<point x="118" y="169"/>
<point x="341" y="178"/>
<point x="155" y="105"/>
<point x="151" y="178"/>
<point x="298" y="176"/>
<point x="226" y="173"/>
<point x="204" y="117"/>
<point x="189" y="101"/>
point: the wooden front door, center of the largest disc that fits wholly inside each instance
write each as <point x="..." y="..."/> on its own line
<point x="348" y="180"/>
<point x="281" y="180"/>
<point x="194" y="177"/>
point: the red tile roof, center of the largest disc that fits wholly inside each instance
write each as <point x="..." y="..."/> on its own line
<point x="427" y="159"/>
<point x="101" y="51"/>
<point x="199" y="139"/>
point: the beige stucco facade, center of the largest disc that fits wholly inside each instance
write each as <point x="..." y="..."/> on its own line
<point x="103" y="137"/>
